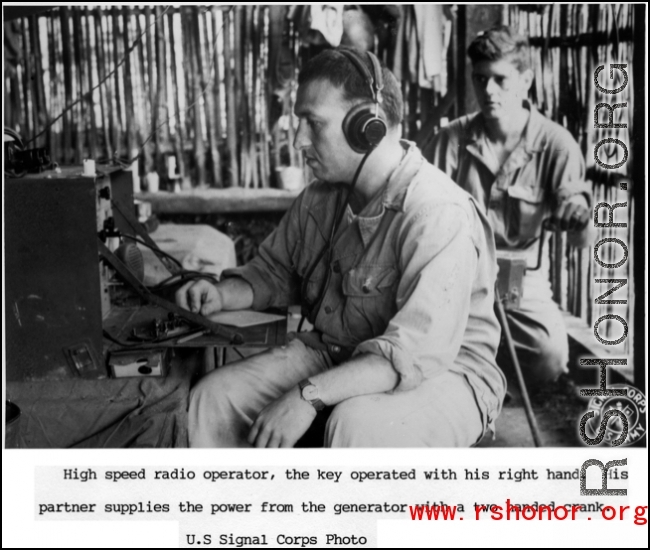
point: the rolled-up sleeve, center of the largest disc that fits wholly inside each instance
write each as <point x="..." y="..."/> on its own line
<point x="568" y="177"/>
<point x="272" y="273"/>
<point x="438" y="262"/>
<point x="568" y="171"/>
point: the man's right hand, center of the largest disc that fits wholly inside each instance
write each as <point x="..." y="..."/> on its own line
<point x="200" y="297"/>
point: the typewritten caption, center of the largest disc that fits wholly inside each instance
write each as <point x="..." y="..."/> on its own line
<point x="311" y="506"/>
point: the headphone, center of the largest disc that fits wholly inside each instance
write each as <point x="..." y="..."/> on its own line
<point x="364" y="126"/>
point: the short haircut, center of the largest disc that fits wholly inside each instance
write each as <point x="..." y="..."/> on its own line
<point x="501" y="43"/>
<point x="335" y="67"/>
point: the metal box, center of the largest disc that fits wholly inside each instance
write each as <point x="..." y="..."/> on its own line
<point x="510" y="279"/>
<point x="55" y="292"/>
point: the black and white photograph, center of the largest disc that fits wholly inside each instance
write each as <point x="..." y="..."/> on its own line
<point x="325" y="275"/>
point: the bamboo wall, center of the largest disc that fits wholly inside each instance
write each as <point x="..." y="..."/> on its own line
<point x="568" y="43"/>
<point x="151" y="82"/>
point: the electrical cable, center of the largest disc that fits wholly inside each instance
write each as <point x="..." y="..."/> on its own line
<point x="327" y="249"/>
<point x="156" y="250"/>
<point x="184" y="277"/>
<point x="112" y="338"/>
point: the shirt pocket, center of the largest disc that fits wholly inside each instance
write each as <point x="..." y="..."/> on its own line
<point x="525" y="211"/>
<point x="369" y="293"/>
<point x="302" y="259"/>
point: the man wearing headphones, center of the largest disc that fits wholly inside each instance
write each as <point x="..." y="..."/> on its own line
<point x="394" y="267"/>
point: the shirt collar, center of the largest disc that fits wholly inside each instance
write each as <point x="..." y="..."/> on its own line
<point x="533" y="141"/>
<point x="395" y="190"/>
<point x="392" y="195"/>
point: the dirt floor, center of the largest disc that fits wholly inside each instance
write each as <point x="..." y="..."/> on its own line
<point x="558" y="417"/>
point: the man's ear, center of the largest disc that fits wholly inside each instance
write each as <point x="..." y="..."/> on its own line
<point x="526" y="79"/>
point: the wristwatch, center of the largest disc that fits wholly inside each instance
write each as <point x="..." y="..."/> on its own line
<point x="309" y="393"/>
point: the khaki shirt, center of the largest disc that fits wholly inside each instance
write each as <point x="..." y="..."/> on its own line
<point x="543" y="170"/>
<point x="411" y="278"/>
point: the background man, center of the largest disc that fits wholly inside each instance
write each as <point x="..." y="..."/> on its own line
<point x="522" y="169"/>
<point x="400" y="293"/>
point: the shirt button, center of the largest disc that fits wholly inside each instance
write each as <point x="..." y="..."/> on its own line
<point x="328" y="309"/>
<point x="335" y="349"/>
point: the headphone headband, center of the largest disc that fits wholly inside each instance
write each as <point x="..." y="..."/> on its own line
<point x="375" y="80"/>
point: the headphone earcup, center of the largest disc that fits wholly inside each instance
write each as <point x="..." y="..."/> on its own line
<point x="362" y="128"/>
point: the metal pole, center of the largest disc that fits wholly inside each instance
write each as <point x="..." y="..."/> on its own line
<point x="532" y="421"/>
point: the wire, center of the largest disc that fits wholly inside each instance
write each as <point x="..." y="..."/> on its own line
<point x="112" y="338"/>
<point x="327" y="249"/>
<point x="155" y="249"/>
<point x="184" y="277"/>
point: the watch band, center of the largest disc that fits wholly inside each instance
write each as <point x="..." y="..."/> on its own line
<point x="311" y="395"/>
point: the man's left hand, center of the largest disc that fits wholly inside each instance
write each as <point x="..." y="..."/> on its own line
<point x="573" y="214"/>
<point x="283" y="422"/>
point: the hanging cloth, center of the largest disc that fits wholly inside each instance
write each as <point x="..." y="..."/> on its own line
<point x="319" y="24"/>
<point x="430" y="27"/>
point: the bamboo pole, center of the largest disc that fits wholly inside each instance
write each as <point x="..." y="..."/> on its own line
<point x="150" y="159"/>
<point x="26" y="121"/>
<point x="94" y="150"/>
<point x="52" y="139"/>
<point x="128" y="84"/>
<point x="194" y="53"/>
<point x="179" y="131"/>
<point x="42" y="110"/>
<point x="111" y="93"/>
<point x="193" y="59"/>
<point x="67" y="81"/>
<point x="30" y="57"/>
<point x="80" y="141"/>
<point x="207" y="85"/>
<point x="260" y="63"/>
<point x="296" y="157"/>
<point x="161" y="65"/>
<point x="217" y="37"/>
<point x="101" y="74"/>
<point x="230" y="100"/>
<point x="118" y="140"/>
<point x="250" y="93"/>
<point x="144" y="95"/>
<point x="240" y="98"/>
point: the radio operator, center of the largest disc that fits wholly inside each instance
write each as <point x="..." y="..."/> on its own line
<point x="394" y="266"/>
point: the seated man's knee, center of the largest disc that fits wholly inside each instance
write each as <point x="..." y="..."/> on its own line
<point x="218" y="383"/>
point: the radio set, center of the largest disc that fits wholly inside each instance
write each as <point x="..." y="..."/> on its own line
<point x="75" y="280"/>
<point x="57" y="291"/>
